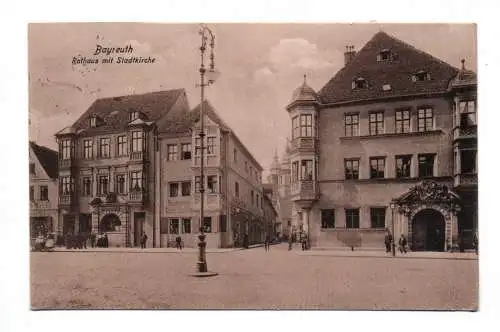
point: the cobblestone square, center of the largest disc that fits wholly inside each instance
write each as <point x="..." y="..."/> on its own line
<point x="250" y="279"/>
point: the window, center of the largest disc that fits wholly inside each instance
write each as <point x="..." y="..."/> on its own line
<point x="386" y="87"/>
<point x="426" y="165"/>
<point x="134" y="115"/>
<point x="403" y="166"/>
<point x="351" y="122"/>
<point x="120" y="184"/>
<point x="237" y="189"/>
<point x="251" y="195"/>
<point x="171" y="152"/>
<point x="186" y="226"/>
<point x="223" y="224"/>
<point x="386" y="55"/>
<point x="377" y="217"/>
<point x="328" y="218"/>
<point x="235" y="155"/>
<point x="66" y="149"/>
<point x="102" y="185"/>
<point x="174" y="226"/>
<point x="136" y="181"/>
<point x="306" y="169"/>
<point x="377" y="168"/>
<point x="32" y="168"/>
<point x="421" y="76"/>
<point x="468" y="161"/>
<point x="467" y="113"/>
<point x="87" y="149"/>
<point x="44" y="193"/>
<point x="359" y="83"/>
<point x="104" y="148"/>
<point x="351" y="169"/>
<point x="305" y="125"/>
<point x="186" y="151"/>
<point x="122" y="145"/>
<point x="197" y="184"/>
<point x="186" y="188"/>
<point x="212" y="184"/>
<point x="93" y="121"/>
<point x="86" y="186"/>
<point x="425" y="119"/>
<point x="402" y="121"/>
<point x="295" y="171"/>
<point x="352" y="218"/>
<point x="66" y="185"/>
<point x="207" y="224"/>
<point x="173" y="189"/>
<point x="32" y="193"/>
<point x="246" y="167"/>
<point x="295" y="127"/>
<point x="197" y="146"/>
<point x="376" y="125"/>
<point x="137" y="141"/>
<point x="210" y="145"/>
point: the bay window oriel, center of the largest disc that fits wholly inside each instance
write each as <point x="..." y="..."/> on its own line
<point x="302" y="126"/>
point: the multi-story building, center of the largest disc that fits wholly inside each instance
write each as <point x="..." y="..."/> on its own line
<point x="130" y="165"/>
<point x="279" y="179"/>
<point x="270" y="216"/>
<point x="390" y="138"/>
<point x="233" y="177"/>
<point x="43" y="190"/>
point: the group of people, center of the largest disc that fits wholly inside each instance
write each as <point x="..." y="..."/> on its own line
<point x="402" y="243"/>
<point x="302" y="237"/>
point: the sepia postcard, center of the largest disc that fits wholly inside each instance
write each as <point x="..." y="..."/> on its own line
<point x="253" y="166"/>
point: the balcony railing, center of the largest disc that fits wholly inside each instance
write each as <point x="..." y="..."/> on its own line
<point x="65" y="163"/>
<point x="137" y="156"/>
<point x="303" y="143"/>
<point x="211" y="200"/>
<point x="465" y="132"/>
<point x="304" y="190"/>
<point x="65" y="199"/>
<point x="465" y="179"/>
<point x="136" y="196"/>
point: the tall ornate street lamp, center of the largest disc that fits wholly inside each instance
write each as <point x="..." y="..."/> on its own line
<point x="207" y="37"/>
<point x="393" y="206"/>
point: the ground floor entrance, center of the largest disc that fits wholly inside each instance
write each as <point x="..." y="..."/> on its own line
<point x="428" y="231"/>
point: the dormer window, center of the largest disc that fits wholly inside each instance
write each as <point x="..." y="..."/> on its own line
<point x="93" y="121"/>
<point x="386" y="55"/>
<point x="421" y="76"/>
<point x="134" y="115"/>
<point x="359" y="83"/>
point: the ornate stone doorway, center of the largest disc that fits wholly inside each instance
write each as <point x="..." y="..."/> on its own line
<point x="428" y="216"/>
<point x="428" y="227"/>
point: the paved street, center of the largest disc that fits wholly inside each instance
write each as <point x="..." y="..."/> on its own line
<point x="278" y="279"/>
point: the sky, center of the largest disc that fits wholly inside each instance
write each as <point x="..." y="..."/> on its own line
<point x="260" y="65"/>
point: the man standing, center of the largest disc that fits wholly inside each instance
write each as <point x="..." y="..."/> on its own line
<point x="266" y="243"/>
<point x="388" y="241"/>
<point x="144" y="239"/>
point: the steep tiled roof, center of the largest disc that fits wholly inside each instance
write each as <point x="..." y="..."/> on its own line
<point x="115" y="111"/>
<point x="47" y="158"/>
<point x="398" y="73"/>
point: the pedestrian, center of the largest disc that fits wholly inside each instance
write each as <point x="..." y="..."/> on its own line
<point x="92" y="239"/>
<point x="303" y="241"/>
<point x="178" y="243"/>
<point x="402" y="244"/>
<point x="266" y="243"/>
<point x="144" y="239"/>
<point x="475" y="242"/>
<point x="290" y="241"/>
<point x="105" y="241"/>
<point x="388" y="241"/>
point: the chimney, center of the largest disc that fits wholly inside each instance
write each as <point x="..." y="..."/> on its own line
<point x="349" y="54"/>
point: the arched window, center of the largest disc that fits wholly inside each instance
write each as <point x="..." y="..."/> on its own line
<point x="110" y="223"/>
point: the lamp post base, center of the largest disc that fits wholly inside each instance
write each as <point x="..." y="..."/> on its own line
<point x="204" y="274"/>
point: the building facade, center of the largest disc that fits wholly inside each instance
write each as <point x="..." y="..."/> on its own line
<point x="390" y="142"/>
<point x="279" y="179"/>
<point x="130" y="165"/>
<point x="43" y="190"/>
